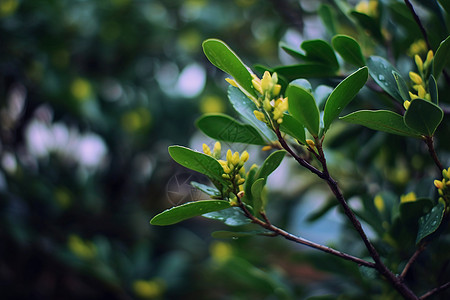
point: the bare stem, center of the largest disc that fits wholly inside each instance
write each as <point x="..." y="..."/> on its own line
<point x="278" y="231"/>
<point x="411" y="261"/>
<point x="435" y="291"/>
<point x="429" y="141"/>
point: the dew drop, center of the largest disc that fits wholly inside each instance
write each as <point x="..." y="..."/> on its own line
<point x="381" y="77"/>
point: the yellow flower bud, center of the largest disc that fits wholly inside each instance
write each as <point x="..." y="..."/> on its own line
<point x="229" y="155"/>
<point x="266" y="148"/>
<point x="266" y="105"/>
<point x="266" y="82"/>
<point x="240" y="181"/>
<point x="415" y="78"/>
<point x="419" y="62"/>
<point x="241" y="194"/>
<point x="259" y="115"/>
<point x="206" y="150"/>
<point x="413" y="96"/>
<point x="217" y="149"/>
<point x="231" y="81"/>
<point x="427" y="97"/>
<point x="257" y="85"/>
<point x="410" y="197"/>
<point x="406" y="104"/>
<point x="439" y="184"/>
<point x="244" y="157"/>
<point x="421" y="91"/>
<point x="429" y="58"/>
<point x="276" y="90"/>
<point x="235" y="159"/>
<point x="311" y="143"/>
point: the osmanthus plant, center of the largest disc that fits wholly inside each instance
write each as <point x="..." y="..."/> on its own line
<point x="282" y="114"/>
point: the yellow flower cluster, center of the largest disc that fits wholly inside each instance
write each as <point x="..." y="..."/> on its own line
<point x="233" y="166"/>
<point x="270" y="105"/>
<point x="418" y="47"/>
<point x="419" y="79"/>
<point x="443" y="185"/>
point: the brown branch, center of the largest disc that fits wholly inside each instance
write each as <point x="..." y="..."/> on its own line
<point x="278" y="231"/>
<point x="412" y="260"/>
<point x="435" y="291"/>
<point x="429" y="141"/>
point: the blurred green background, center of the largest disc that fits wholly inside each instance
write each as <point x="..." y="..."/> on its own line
<point x="91" y="95"/>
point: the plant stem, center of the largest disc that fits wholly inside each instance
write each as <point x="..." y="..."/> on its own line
<point x="412" y="260"/>
<point x="419" y="23"/>
<point x="429" y="141"/>
<point x="278" y="231"/>
<point x="396" y="282"/>
<point x="435" y="291"/>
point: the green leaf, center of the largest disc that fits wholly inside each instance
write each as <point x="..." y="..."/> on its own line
<point x="220" y="55"/>
<point x="381" y="71"/>
<point x="382" y="120"/>
<point x="251" y="177"/>
<point x="320" y="51"/>
<point x="244" y="106"/>
<point x="368" y="23"/>
<point x="411" y="211"/>
<point x="257" y="193"/>
<point x="441" y="58"/>
<point x="197" y="161"/>
<point x="328" y="19"/>
<point x="308" y="70"/>
<point x="429" y="223"/>
<point x="401" y="86"/>
<point x="342" y="95"/>
<point x="349" y="49"/>
<point x="188" y="210"/>
<point x="224" y="128"/>
<point x="294" y="128"/>
<point x="270" y="164"/>
<point x="303" y="108"/>
<point x="292" y="52"/>
<point x="223" y="234"/>
<point x="208" y="190"/>
<point x="232" y="216"/>
<point x="423" y="116"/>
<point x="433" y="89"/>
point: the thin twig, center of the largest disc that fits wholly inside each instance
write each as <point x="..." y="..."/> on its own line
<point x="435" y="291"/>
<point x="429" y="141"/>
<point x="278" y="231"/>
<point x="419" y="23"/>
<point x="412" y="260"/>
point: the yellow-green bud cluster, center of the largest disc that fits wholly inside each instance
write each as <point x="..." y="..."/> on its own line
<point x="419" y="80"/>
<point x="271" y="105"/>
<point x="369" y="8"/>
<point x="233" y="166"/>
<point x="443" y="186"/>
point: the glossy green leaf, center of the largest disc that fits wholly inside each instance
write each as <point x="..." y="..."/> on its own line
<point x="224" y="234"/>
<point x="441" y="58"/>
<point x="224" y="128"/>
<point x="209" y="190"/>
<point x="342" y="95"/>
<point x="429" y="223"/>
<point x="307" y="70"/>
<point x="433" y="89"/>
<point x="251" y="178"/>
<point x="244" y="106"/>
<point x="188" y="210"/>
<point x="291" y="51"/>
<point x="382" y="120"/>
<point x="197" y="161"/>
<point x="303" y="108"/>
<point x="220" y="55"/>
<point x="412" y="211"/>
<point x="232" y="216"/>
<point x="257" y="192"/>
<point x="349" y="49"/>
<point x="270" y="164"/>
<point x="401" y="86"/>
<point x="423" y="116"/>
<point x="382" y="73"/>
<point x="328" y="19"/>
<point x="368" y="23"/>
<point x="320" y="51"/>
<point x="294" y="128"/>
